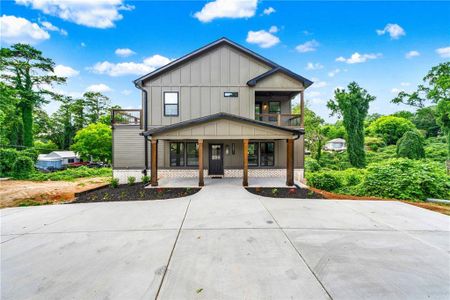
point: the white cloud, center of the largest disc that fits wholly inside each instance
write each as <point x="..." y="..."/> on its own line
<point x="334" y="72"/>
<point x="308" y="46"/>
<point x="396" y="90"/>
<point x="49" y="26"/>
<point x="234" y="9"/>
<point x="357" y="58"/>
<point x="126" y="92"/>
<point x="395" y="31"/>
<point x="269" y="10"/>
<point x="405" y="84"/>
<point x="65" y="71"/>
<point x="318" y="83"/>
<point x="98" y="13"/>
<point x="99" y="88"/>
<point x="124" y="52"/>
<point x="443" y="52"/>
<point x="130" y="68"/>
<point x="313" y="66"/>
<point x="20" y="30"/>
<point x="273" y="29"/>
<point x="262" y="38"/>
<point x="412" y="53"/>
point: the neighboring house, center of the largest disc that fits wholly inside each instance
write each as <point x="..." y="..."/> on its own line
<point x="335" y="145"/>
<point x="56" y="159"/>
<point x="222" y="110"/>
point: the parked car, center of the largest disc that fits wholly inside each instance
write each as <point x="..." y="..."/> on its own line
<point x="78" y="164"/>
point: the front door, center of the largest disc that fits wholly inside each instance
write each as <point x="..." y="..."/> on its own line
<point x="215" y="159"/>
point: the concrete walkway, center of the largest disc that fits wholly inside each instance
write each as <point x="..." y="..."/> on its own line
<point x="225" y="243"/>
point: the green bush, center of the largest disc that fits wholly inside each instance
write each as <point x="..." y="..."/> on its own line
<point x="390" y="128"/>
<point x="410" y="145"/>
<point x="7" y="159"/>
<point x="323" y="181"/>
<point x="145" y="179"/>
<point x="374" y="143"/>
<point x="23" y="167"/>
<point x="311" y="165"/>
<point x="402" y="178"/>
<point x="335" y="160"/>
<point x="72" y="173"/>
<point x="131" y="180"/>
<point x="114" y="182"/>
<point x="31" y="153"/>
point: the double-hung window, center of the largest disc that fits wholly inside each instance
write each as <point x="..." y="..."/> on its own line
<point x="171" y="104"/>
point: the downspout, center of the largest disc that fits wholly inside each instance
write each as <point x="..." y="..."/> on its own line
<point x="139" y="86"/>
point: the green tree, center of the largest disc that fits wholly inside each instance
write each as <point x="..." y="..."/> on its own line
<point x="353" y="106"/>
<point x="8" y="103"/>
<point x="63" y="130"/>
<point x="425" y="119"/>
<point x="410" y="145"/>
<point x="404" y="114"/>
<point x="97" y="105"/>
<point x="78" y="114"/>
<point x="94" y="141"/>
<point x="26" y="70"/>
<point x="390" y="128"/>
<point x="443" y="119"/>
<point x="42" y="124"/>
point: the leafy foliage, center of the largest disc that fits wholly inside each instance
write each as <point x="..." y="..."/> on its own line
<point x="145" y="179"/>
<point x="45" y="147"/>
<point x="7" y="159"/>
<point x="311" y="165"/>
<point x="374" y="143"/>
<point x="22" y="167"/>
<point x="71" y="174"/>
<point x="408" y="179"/>
<point x="410" y="145"/>
<point x="95" y="140"/>
<point x="353" y="106"/>
<point x="323" y="181"/>
<point x="425" y="119"/>
<point x="131" y="180"/>
<point x="390" y="128"/>
<point x="114" y="182"/>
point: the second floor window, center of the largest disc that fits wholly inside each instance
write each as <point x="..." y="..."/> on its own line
<point x="171" y="103"/>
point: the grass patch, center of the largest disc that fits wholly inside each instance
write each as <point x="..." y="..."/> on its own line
<point x="31" y="202"/>
<point x="71" y="174"/>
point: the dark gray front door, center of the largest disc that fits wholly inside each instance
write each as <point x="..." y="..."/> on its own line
<point x="215" y="159"/>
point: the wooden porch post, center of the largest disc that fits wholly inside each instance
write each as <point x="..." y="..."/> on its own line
<point x="302" y="109"/>
<point x="290" y="162"/>
<point x="245" y="152"/>
<point x="154" y="158"/>
<point x="200" y="163"/>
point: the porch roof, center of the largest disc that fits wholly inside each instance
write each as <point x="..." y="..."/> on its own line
<point x="213" y="126"/>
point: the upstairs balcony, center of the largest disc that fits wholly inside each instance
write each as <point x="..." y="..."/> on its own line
<point x="279" y="119"/>
<point x="126" y="117"/>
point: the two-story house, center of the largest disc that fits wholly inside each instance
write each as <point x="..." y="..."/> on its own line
<point x="221" y="110"/>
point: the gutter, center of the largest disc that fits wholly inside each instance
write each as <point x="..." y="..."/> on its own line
<point x="139" y="86"/>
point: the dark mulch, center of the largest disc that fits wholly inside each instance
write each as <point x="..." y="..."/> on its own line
<point x="135" y="192"/>
<point x="286" y="193"/>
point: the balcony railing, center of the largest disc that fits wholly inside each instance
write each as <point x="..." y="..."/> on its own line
<point x="288" y="120"/>
<point x="126" y="117"/>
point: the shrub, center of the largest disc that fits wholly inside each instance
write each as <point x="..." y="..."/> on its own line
<point x="7" y="159"/>
<point x="390" y="128"/>
<point x="311" y="165"/>
<point x="114" y="182"/>
<point x="323" y="181"/>
<point x="131" y="180"/>
<point x="145" y="179"/>
<point x="374" y="143"/>
<point x="31" y="153"/>
<point x="402" y="178"/>
<point x="335" y="160"/>
<point x="410" y="146"/>
<point x="72" y="173"/>
<point x="23" y="167"/>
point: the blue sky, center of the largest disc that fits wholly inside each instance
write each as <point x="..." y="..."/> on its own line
<point x="384" y="46"/>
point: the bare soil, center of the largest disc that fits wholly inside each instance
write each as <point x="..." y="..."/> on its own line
<point x="24" y="193"/>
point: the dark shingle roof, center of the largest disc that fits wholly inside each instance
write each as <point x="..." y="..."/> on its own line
<point x="275" y="67"/>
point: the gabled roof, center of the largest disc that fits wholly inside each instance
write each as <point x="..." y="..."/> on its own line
<point x="62" y="154"/>
<point x="254" y="81"/>
<point x="217" y="43"/>
<point x="218" y="116"/>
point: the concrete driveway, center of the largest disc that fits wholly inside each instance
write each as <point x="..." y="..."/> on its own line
<point x="225" y="243"/>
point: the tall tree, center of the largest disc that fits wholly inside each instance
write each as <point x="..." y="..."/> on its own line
<point x="353" y="106"/>
<point x="79" y="115"/>
<point x="97" y="105"/>
<point x="8" y="103"/>
<point x="25" y="69"/>
<point x="63" y="130"/>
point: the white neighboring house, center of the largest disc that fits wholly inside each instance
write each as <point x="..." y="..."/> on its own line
<point x="335" y="145"/>
<point x="56" y="159"/>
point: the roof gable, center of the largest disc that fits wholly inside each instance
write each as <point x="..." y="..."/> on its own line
<point x="223" y="41"/>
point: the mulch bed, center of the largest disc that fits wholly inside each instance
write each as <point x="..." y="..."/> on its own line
<point x="286" y="193"/>
<point x="135" y="192"/>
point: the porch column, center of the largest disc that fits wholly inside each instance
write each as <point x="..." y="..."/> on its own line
<point x="290" y="162"/>
<point x="154" y="158"/>
<point x="245" y="152"/>
<point x="200" y="163"/>
<point x="302" y="109"/>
